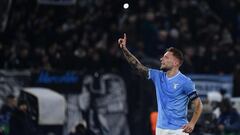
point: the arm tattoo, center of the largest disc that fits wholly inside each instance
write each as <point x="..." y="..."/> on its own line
<point x="135" y="63"/>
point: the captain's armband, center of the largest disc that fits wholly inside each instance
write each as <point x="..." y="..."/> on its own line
<point x="193" y="96"/>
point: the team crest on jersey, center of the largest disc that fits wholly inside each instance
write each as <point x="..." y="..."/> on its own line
<point x="175" y="85"/>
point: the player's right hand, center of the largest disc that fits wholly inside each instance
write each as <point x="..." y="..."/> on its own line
<point x="188" y="128"/>
<point x="122" y="41"/>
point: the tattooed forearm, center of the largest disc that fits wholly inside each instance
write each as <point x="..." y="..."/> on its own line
<point x="134" y="62"/>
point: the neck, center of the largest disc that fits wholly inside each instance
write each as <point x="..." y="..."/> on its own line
<point x="172" y="72"/>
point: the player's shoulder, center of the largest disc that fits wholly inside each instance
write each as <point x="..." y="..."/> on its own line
<point x="155" y="70"/>
<point x="153" y="73"/>
<point x="185" y="78"/>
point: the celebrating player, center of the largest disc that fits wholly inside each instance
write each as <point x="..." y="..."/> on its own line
<point x="174" y="90"/>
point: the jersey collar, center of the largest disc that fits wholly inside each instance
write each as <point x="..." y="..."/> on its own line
<point x="170" y="78"/>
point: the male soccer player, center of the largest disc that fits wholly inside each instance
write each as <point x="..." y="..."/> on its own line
<point x="174" y="90"/>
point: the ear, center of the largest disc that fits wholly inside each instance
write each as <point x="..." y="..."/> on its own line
<point x="176" y="62"/>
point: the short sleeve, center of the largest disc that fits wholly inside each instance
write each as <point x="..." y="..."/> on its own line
<point x="189" y="87"/>
<point x="153" y="73"/>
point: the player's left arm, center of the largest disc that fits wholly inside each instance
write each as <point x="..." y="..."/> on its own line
<point x="197" y="103"/>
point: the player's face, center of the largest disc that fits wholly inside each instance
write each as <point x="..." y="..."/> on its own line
<point x="168" y="61"/>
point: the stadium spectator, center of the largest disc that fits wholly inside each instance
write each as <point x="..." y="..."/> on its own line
<point x="9" y="106"/>
<point x="6" y="111"/>
<point x="81" y="129"/>
<point x="229" y="119"/>
<point x="20" y="121"/>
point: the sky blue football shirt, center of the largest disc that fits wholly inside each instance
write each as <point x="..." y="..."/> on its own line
<point x="172" y="98"/>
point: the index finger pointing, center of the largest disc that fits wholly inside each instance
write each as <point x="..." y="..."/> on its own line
<point x="125" y="36"/>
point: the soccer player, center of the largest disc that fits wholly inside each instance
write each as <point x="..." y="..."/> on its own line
<point x="174" y="90"/>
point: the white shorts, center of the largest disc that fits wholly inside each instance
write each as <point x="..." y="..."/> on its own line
<point x="160" y="131"/>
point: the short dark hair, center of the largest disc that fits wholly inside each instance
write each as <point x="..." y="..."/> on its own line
<point x="176" y="53"/>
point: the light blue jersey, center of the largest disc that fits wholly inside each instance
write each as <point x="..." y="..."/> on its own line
<point x="173" y="95"/>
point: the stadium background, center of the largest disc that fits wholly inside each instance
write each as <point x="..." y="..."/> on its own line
<point x="70" y="46"/>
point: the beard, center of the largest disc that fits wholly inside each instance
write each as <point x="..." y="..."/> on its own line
<point x="164" y="69"/>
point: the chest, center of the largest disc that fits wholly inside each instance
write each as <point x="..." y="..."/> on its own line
<point x="171" y="87"/>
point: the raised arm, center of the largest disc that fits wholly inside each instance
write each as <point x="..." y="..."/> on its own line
<point x="131" y="59"/>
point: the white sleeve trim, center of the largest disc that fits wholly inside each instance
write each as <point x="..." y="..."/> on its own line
<point x="149" y="75"/>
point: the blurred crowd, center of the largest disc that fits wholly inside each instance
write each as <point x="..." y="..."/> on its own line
<point x="219" y="118"/>
<point x="83" y="36"/>
<point x="14" y="118"/>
